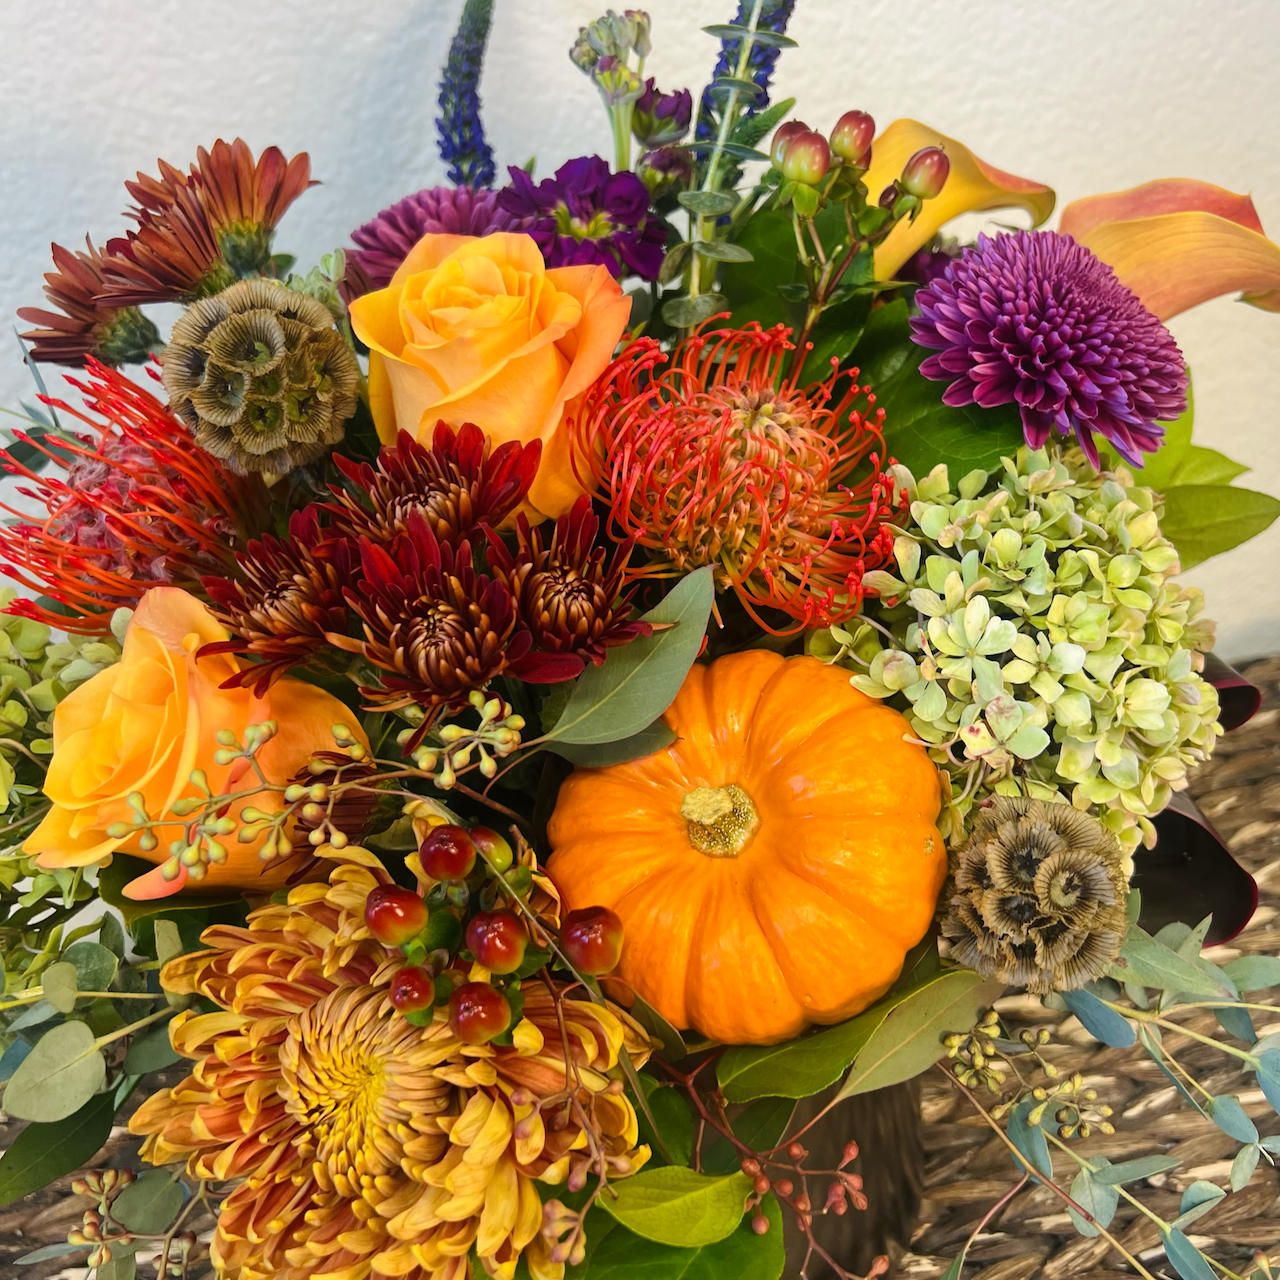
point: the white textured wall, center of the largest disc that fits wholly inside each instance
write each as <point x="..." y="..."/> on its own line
<point x="1089" y="96"/>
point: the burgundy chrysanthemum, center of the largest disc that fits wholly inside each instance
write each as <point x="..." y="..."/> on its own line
<point x="385" y="240"/>
<point x="1035" y="319"/>
<point x="587" y="215"/>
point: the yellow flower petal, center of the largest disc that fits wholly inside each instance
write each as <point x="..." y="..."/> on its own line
<point x="527" y="1038"/>
<point x="972" y="186"/>
<point x="1177" y="243"/>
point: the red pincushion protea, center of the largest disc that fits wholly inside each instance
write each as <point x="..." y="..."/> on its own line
<point x="566" y="593"/>
<point x="456" y="485"/>
<point x="722" y="458"/>
<point x="137" y="506"/>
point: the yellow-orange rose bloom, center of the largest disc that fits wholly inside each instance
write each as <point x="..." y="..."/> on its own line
<point x="480" y="330"/>
<point x="144" y="724"/>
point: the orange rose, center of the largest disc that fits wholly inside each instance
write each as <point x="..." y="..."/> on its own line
<point x="479" y="330"/>
<point x="146" y="723"/>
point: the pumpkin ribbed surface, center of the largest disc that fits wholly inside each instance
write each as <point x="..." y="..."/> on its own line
<point x="772" y="866"/>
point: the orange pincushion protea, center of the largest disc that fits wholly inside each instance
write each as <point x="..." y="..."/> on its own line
<point x="722" y="458"/>
<point x="363" y="1146"/>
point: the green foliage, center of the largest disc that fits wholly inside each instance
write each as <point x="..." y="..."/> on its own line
<point x="149" y="1205"/>
<point x="42" y="1153"/>
<point x="60" y="1074"/>
<point x="670" y="1112"/>
<point x="676" y="1206"/>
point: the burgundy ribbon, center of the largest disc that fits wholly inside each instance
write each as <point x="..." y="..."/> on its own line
<point x="1191" y="873"/>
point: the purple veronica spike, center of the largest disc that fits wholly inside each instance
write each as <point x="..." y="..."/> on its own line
<point x="585" y="214"/>
<point x="1035" y="319"/>
<point x="385" y="240"/>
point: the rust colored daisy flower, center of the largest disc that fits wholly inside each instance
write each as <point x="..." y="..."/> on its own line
<point x="568" y="594"/>
<point x="434" y="627"/>
<point x="359" y="1146"/>
<point x="200" y="232"/>
<point x="287" y="599"/>
<point x="722" y="458"/>
<point x="456" y="485"/>
<point x="83" y="327"/>
<point x="129" y="505"/>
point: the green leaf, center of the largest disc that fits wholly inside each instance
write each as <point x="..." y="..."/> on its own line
<point x="760" y="1126"/>
<point x="1148" y="963"/>
<point x="1099" y="1198"/>
<point x="1099" y="1021"/>
<point x="60" y="1074"/>
<point x="835" y="336"/>
<point x="910" y="1040"/>
<point x="111" y="935"/>
<point x="151" y="1052"/>
<point x="1117" y="1175"/>
<point x="123" y="1264"/>
<point x="149" y="1205"/>
<point x="1029" y="1138"/>
<point x="749" y="131"/>
<point x="49" y="1251"/>
<point x="95" y="964"/>
<point x="1197" y="1200"/>
<point x="60" y="986"/>
<point x="679" y="1207"/>
<point x="671" y="1113"/>
<point x="123" y="868"/>
<point x="673" y="1045"/>
<point x="598" y="755"/>
<point x="1243" y="1165"/>
<point x="1227" y="1113"/>
<point x="721" y="251"/>
<point x="42" y="1153"/>
<point x="684" y="313"/>
<point x="709" y="203"/>
<point x="741" y="1255"/>
<point x="638" y="681"/>
<point x="1254" y="973"/>
<point x="1203" y="520"/>
<point x="751" y="290"/>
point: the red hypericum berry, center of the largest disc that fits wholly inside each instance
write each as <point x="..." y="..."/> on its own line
<point x="478" y="1012"/>
<point x="494" y="849"/>
<point x="782" y="139"/>
<point x="807" y="158"/>
<point x="394" y="915"/>
<point x="592" y="940"/>
<point x="498" y="940"/>
<point x="926" y="173"/>
<point x="852" y="136"/>
<point x="413" y="989"/>
<point x="448" y="853"/>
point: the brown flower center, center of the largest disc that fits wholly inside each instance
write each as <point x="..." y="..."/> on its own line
<point x="721" y="820"/>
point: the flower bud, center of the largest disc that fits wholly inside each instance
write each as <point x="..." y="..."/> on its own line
<point x="889" y="196"/>
<point x="664" y="170"/>
<point x="807" y="158"/>
<point x="926" y="173"/>
<point x="661" y="118"/>
<point x="852" y="136"/>
<point x="783" y="137"/>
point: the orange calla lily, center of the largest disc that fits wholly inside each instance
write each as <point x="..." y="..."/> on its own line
<point x="1177" y="243"/>
<point x="972" y="186"/>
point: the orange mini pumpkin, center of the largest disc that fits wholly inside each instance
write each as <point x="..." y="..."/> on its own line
<point x="773" y="865"/>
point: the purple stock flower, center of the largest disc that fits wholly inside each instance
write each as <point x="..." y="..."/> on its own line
<point x="661" y="118"/>
<point x="1035" y="319"/>
<point x="585" y="214"/>
<point x="385" y="240"/>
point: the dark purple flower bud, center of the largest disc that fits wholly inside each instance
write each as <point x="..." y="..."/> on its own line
<point x="807" y="158"/>
<point x="926" y="173"/>
<point x="664" y="170"/>
<point x="852" y="136"/>
<point x="783" y="137"/>
<point x="889" y="196"/>
<point x="661" y="118"/>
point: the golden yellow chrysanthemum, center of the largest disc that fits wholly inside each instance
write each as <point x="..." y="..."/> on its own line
<point x="361" y="1146"/>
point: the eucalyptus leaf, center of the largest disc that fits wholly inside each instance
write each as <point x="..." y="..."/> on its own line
<point x="1099" y="1198"/>
<point x="1029" y="1138"/>
<point x="151" y="1051"/>
<point x="637" y="682"/>
<point x="677" y="1206"/>
<point x="721" y="251"/>
<point x="708" y="203"/>
<point x="60" y="1074"/>
<point x="1268" y="1074"/>
<point x="42" y="1153"/>
<point x="1098" y="1020"/>
<point x="1187" y="1260"/>
<point x="1150" y="963"/>
<point x="1254" y="973"/>
<point x="1243" y="1165"/>
<point x="60" y="986"/>
<point x="684" y="313"/>
<point x="49" y="1251"/>
<point x="673" y="263"/>
<point x="1227" y="1113"/>
<point x="111" y="934"/>
<point x="95" y="964"/>
<point x="1117" y="1175"/>
<point x="1197" y="1200"/>
<point x="149" y="1205"/>
<point x="599" y="755"/>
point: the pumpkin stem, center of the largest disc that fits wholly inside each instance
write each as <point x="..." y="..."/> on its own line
<point x="721" y="820"/>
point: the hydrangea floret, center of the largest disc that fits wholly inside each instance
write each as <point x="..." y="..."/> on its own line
<point x="1037" y="641"/>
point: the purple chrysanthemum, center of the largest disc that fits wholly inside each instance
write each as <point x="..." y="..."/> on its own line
<point x="385" y="240"/>
<point x="585" y="214"/>
<point x="1035" y="319"/>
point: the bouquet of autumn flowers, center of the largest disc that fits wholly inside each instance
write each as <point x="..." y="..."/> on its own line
<point x="566" y="692"/>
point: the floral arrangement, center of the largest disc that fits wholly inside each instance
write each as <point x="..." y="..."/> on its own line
<point x="556" y="698"/>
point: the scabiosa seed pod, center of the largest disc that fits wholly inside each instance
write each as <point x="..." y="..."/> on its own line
<point x="1039" y="897"/>
<point x="261" y="376"/>
<point x="1035" y="319"/>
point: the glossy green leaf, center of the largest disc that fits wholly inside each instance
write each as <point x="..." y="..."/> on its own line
<point x="599" y="755"/>
<point x="1204" y="520"/>
<point x="60" y="986"/>
<point x="751" y="290"/>
<point x="671" y="1114"/>
<point x="673" y="1045"/>
<point x="638" y="681"/>
<point x="42" y="1153"/>
<point x="1179" y="462"/>
<point x="741" y="1255"/>
<point x="60" y="1074"/>
<point x="760" y="1126"/>
<point x="1099" y="1198"/>
<point x="149" y="1205"/>
<point x="151" y="1051"/>
<point x="910" y="1039"/>
<point x="678" y="1206"/>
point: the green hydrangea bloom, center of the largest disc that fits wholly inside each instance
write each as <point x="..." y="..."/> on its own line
<point x="1035" y="639"/>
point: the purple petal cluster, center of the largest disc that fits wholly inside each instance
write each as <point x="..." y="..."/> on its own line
<point x="384" y="241"/>
<point x="587" y="215"/>
<point x="1035" y="319"/>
